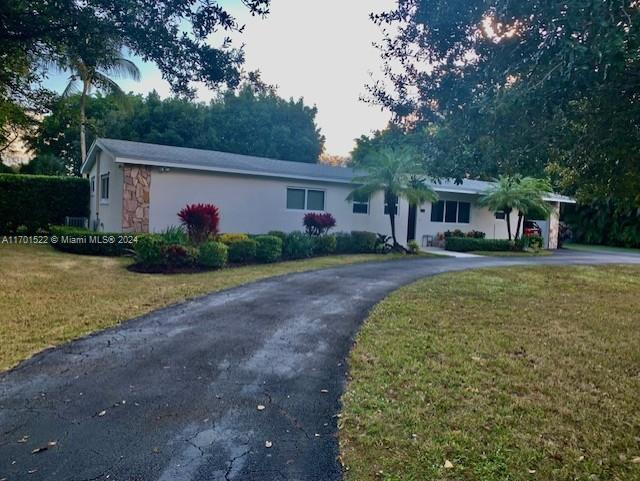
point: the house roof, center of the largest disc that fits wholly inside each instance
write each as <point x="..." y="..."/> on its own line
<point x="128" y="152"/>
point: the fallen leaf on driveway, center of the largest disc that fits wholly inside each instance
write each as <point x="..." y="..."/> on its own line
<point x="268" y="444"/>
<point x="448" y="464"/>
<point x="23" y="439"/>
<point x="102" y="413"/>
<point x="261" y="407"/>
<point x="324" y="391"/>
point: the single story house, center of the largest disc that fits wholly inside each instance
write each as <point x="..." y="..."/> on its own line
<point x="140" y="187"/>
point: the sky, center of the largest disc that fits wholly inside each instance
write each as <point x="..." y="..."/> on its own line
<point x="320" y="50"/>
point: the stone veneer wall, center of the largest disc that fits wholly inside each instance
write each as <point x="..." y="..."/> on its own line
<point x="135" y="200"/>
<point x="554" y="226"/>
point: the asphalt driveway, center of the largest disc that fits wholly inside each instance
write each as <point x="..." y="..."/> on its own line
<point x="238" y="385"/>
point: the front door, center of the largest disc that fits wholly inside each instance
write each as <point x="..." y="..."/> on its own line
<point x="411" y="226"/>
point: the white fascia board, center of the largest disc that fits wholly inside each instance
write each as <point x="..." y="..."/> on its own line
<point x="170" y="165"/>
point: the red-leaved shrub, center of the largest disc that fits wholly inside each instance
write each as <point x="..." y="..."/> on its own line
<point x="318" y="224"/>
<point x="201" y="221"/>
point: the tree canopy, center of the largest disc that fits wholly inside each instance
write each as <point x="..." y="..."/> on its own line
<point x="248" y="121"/>
<point x="527" y="87"/>
<point x="186" y="39"/>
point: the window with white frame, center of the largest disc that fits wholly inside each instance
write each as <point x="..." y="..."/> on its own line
<point x="104" y="187"/>
<point x="500" y="215"/>
<point x="305" y="199"/>
<point x="360" y="204"/>
<point x="386" y="208"/>
<point x="451" y="211"/>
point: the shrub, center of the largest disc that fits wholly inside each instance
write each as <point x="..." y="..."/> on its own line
<point x="466" y="244"/>
<point x="324" y="245"/>
<point x="176" y="255"/>
<point x="36" y="201"/>
<point x="534" y="242"/>
<point x="230" y="238"/>
<point x="363" y="242"/>
<point x="268" y="248"/>
<point x="201" y="221"/>
<point x="242" y="251"/>
<point x="318" y="224"/>
<point x="149" y="250"/>
<point x="298" y="246"/>
<point x="565" y="234"/>
<point x="476" y="234"/>
<point x="454" y="233"/>
<point x="174" y="234"/>
<point x="413" y="247"/>
<point x="87" y="242"/>
<point x="344" y="243"/>
<point x="212" y="254"/>
<point x="279" y="234"/>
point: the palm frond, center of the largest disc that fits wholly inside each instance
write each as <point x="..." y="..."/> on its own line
<point x="123" y="68"/>
<point x="108" y="86"/>
<point x="72" y="87"/>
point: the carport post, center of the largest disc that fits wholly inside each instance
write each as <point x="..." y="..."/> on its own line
<point x="554" y="225"/>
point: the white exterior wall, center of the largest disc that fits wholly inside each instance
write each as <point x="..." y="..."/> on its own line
<point x="109" y="212"/>
<point x="257" y="205"/>
<point x="480" y="218"/>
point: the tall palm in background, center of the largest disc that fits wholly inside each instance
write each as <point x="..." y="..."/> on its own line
<point x="524" y="194"/>
<point x="398" y="173"/>
<point x="87" y="76"/>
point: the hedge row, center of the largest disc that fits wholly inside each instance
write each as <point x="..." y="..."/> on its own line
<point x="467" y="244"/>
<point x="35" y="201"/>
<point x="86" y="242"/>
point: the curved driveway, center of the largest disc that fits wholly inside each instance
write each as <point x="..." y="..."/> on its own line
<point x="174" y="395"/>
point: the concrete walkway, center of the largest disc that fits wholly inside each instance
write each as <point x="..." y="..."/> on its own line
<point x="441" y="252"/>
<point x="238" y="385"/>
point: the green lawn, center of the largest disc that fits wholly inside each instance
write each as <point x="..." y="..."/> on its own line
<point x="48" y="297"/>
<point x="596" y="248"/>
<point x="500" y="374"/>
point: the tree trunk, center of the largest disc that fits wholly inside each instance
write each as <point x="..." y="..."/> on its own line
<point x="83" y="138"/>
<point x="508" y="216"/>
<point x="390" y="199"/>
<point x="519" y="225"/>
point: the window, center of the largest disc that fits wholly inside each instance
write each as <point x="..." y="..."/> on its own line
<point x="301" y="199"/>
<point x="295" y="198"/>
<point x="315" y="200"/>
<point x="500" y="215"/>
<point x="437" y="211"/>
<point x="104" y="187"/>
<point x="93" y="185"/>
<point x="361" y="204"/>
<point x="451" y="211"/>
<point x="386" y="208"/>
<point x="464" y="212"/>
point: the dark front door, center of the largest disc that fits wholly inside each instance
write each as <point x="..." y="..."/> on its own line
<point x="411" y="228"/>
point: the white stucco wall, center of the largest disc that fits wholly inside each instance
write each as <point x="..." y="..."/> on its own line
<point x="109" y="212"/>
<point x="480" y="218"/>
<point x="257" y="204"/>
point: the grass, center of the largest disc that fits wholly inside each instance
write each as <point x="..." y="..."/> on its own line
<point x="48" y="297"/>
<point x="501" y="374"/>
<point x="513" y="254"/>
<point x="598" y="248"/>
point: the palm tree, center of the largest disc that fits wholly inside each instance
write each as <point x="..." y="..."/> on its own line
<point x="525" y="194"/>
<point x="88" y="75"/>
<point x="399" y="174"/>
